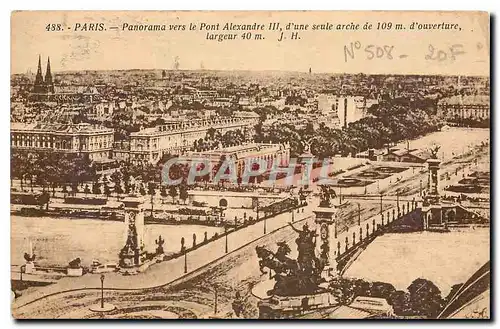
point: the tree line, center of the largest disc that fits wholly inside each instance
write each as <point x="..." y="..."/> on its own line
<point x="386" y="123"/>
<point x="421" y="298"/>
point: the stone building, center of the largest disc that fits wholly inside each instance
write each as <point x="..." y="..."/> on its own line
<point x="464" y="107"/>
<point x="243" y="155"/>
<point x="78" y="139"/>
<point x="149" y="145"/>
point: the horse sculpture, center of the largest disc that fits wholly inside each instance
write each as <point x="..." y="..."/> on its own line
<point x="278" y="262"/>
<point x="293" y="277"/>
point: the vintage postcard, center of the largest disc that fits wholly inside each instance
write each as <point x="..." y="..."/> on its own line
<point x="250" y="165"/>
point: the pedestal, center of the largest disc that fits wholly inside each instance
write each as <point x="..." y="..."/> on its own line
<point x="325" y="218"/>
<point x="107" y="308"/>
<point x="432" y="210"/>
<point x="133" y="253"/>
<point x="75" y="271"/>
<point x="307" y="161"/>
<point x="29" y="268"/>
<point x="433" y="183"/>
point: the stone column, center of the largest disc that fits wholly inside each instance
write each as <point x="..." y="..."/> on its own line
<point x="325" y="248"/>
<point x="433" y="182"/>
<point x="432" y="208"/>
<point x="133" y="252"/>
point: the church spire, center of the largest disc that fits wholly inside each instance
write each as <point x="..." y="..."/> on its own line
<point x="38" y="86"/>
<point x="48" y="73"/>
<point x="49" y="83"/>
<point x="39" y="76"/>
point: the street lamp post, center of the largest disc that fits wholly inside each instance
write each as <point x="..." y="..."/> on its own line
<point x="215" y="299"/>
<point x="420" y="188"/>
<point x="225" y="231"/>
<point x="185" y="261"/>
<point x="152" y="204"/>
<point x="102" y="291"/>
<point x="380" y="203"/>
<point x="359" y="214"/>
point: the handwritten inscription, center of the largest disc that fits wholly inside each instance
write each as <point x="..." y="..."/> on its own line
<point x="370" y="51"/>
<point x="441" y="55"/>
<point x="387" y="52"/>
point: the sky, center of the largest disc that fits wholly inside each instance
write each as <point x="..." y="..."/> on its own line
<point x="322" y="51"/>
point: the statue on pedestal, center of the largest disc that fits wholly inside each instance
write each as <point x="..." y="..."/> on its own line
<point x="434" y="151"/>
<point x="129" y="250"/>
<point x="29" y="258"/>
<point x="294" y="277"/>
<point x="159" y="242"/>
<point x="326" y="196"/>
<point x="307" y="146"/>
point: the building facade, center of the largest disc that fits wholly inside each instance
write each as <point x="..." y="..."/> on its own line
<point x="465" y="107"/>
<point x="350" y="109"/>
<point x="341" y="110"/>
<point x="79" y="139"/>
<point x="244" y="155"/>
<point x="150" y="144"/>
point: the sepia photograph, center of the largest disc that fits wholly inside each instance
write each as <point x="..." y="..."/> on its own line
<point x="250" y="165"/>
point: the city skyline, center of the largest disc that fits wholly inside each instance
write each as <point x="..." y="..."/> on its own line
<point x="32" y="70"/>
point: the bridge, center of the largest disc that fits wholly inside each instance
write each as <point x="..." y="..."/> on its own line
<point x="407" y="217"/>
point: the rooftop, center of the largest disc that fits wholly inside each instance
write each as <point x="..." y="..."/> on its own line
<point x="238" y="150"/>
<point x="466" y="100"/>
<point x="59" y="127"/>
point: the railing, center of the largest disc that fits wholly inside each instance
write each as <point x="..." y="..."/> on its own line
<point x="348" y="252"/>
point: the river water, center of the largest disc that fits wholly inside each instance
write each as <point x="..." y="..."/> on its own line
<point x="443" y="258"/>
<point x="58" y="241"/>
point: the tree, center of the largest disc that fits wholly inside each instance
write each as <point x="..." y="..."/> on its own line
<point x="31" y="167"/>
<point x="81" y="170"/>
<point x="44" y="200"/>
<point x="16" y="167"/>
<point x="400" y="301"/>
<point x="96" y="188"/>
<point x="163" y="192"/>
<point x="107" y="190"/>
<point x="382" y="290"/>
<point x="183" y="193"/>
<point x="142" y="190"/>
<point x="172" y="191"/>
<point x="425" y="298"/>
<point x="118" y="189"/>
<point x="116" y="178"/>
